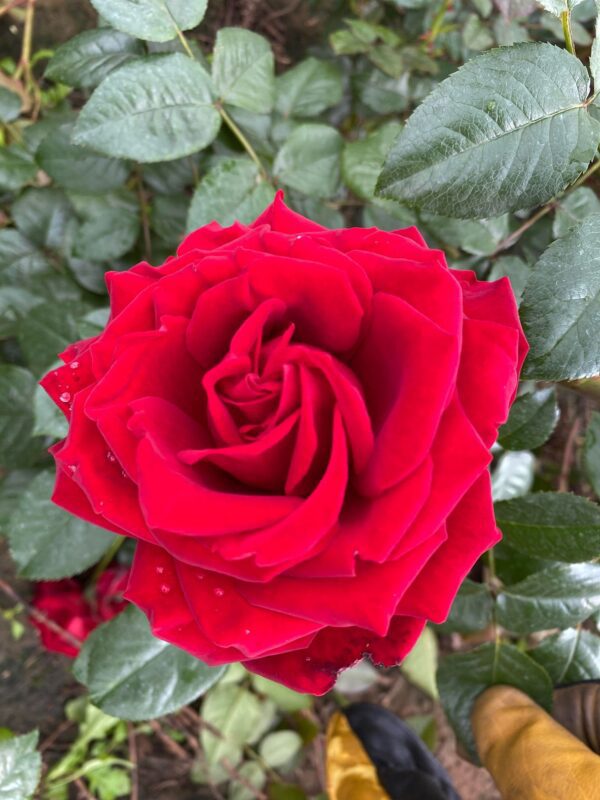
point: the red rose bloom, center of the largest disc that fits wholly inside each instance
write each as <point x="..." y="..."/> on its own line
<point x="295" y="424"/>
<point x="64" y="603"/>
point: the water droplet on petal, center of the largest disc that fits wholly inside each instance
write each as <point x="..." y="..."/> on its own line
<point x="247" y="631"/>
<point x="219" y="592"/>
<point x="160" y="570"/>
<point x="74" y="364"/>
<point x="123" y="473"/>
<point x="308" y="658"/>
<point x="110" y="456"/>
<point x="165" y="588"/>
<point x="65" y="397"/>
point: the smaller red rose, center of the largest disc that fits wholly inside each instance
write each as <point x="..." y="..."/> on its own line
<point x="64" y="603"/>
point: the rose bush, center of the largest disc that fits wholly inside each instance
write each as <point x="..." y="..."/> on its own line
<point x="295" y="424"/>
<point x="65" y="603"/>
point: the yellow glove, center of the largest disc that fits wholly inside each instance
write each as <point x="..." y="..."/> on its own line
<point x="530" y="756"/>
<point x="350" y="772"/>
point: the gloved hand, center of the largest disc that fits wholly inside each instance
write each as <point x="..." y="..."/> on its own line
<point x="529" y="754"/>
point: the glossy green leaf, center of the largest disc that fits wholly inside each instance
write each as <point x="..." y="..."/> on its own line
<point x="556" y="526"/>
<point x="557" y="597"/>
<point x="591" y="453"/>
<point x="532" y="419"/>
<point x="20" y="767"/>
<point x="19" y="258"/>
<point x="463" y="676"/>
<point x="512" y="475"/>
<point x="513" y="566"/>
<point x="86" y="59"/>
<point x="17" y="168"/>
<point x="169" y="177"/>
<point x="515" y="269"/>
<point x="46" y="542"/>
<point x="309" y="161"/>
<point x="44" y="216"/>
<point x="471" y="610"/>
<point x="133" y="675"/>
<point x="570" y="656"/>
<point x="232" y="190"/>
<point x="17" y="386"/>
<point x="11" y="488"/>
<point x="573" y="209"/>
<point x="154" y="109"/>
<point x="357" y="678"/>
<point x="169" y="217"/>
<point x="10" y="105"/>
<point x="308" y="88"/>
<point x="77" y="168"/>
<point x="479" y="237"/>
<point x="46" y="331"/>
<point x="243" y="70"/>
<point x="154" y="20"/>
<point x="110" y="232"/>
<point x="362" y="159"/>
<point x="560" y="309"/>
<point x="485" y="140"/>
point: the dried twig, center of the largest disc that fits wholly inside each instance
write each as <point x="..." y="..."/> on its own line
<point x="38" y="615"/>
<point x="568" y="456"/>
<point x="169" y="743"/>
<point x="134" y="761"/>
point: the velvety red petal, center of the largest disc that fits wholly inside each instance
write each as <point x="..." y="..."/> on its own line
<point x="280" y="218"/>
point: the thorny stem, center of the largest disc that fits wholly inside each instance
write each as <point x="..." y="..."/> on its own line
<point x="565" y="18"/>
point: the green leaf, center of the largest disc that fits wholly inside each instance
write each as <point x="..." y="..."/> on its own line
<point x="591" y="453"/>
<point x="46" y="331"/>
<point x="280" y="748"/>
<point x="11" y="488"/>
<point x="471" y="610"/>
<point x="420" y="664"/>
<point x="253" y="774"/>
<point x="169" y="217"/>
<point x="382" y="94"/>
<point x="44" y="216"/>
<point x="170" y="177"/>
<point x="595" y="54"/>
<point x="484" y="141"/>
<point x="515" y="269"/>
<point x="532" y="419"/>
<point x="133" y="675"/>
<point x="285" y="699"/>
<point x="462" y="677"/>
<point x="20" y="767"/>
<point x="479" y="237"/>
<point x="570" y="656"/>
<point x="76" y="168"/>
<point x="46" y="542"/>
<point x="561" y="307"/>
<point x="239" y="716"/>
<point x="243" y="70"/>
<point x="232" y="190"/>
<point x="476" y="34"/>
<point x="19" y="259"/>
<point x="48" y="418"/>
<point x="557" y="597"/>
<point x="85" y="60"/>
<point x="357" y="678"/>
<point x="308" y="88"/>
<point x="107" y="237"/>
<point x="362" y="159"/>
<point x="17" y="168"/>
<point x="10" y="105"/>
<point x="309" y="161"/>
<point x="512" y="475"/>
<point x="573" y="209"/>
<point x="17" y="386"/>
<point x="556" y="526"/>
<point x="154" y="109"/>
<point x="153" y="20"/>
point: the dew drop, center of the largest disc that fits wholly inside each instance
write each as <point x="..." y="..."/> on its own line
<point x="110" y="456"/>
<point x="72" y="468"/>
<point x="123" y="473"/>
<point x="200" y="576"/>
<point x="219" y="592"/>
<point x="165" y="588"/>
<point x="65" y="397"/>
<point x="308" y="658"/>
<point x="160" y="570"/>
<point x="247" y="631"/>
<point x="74" y="364"/>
